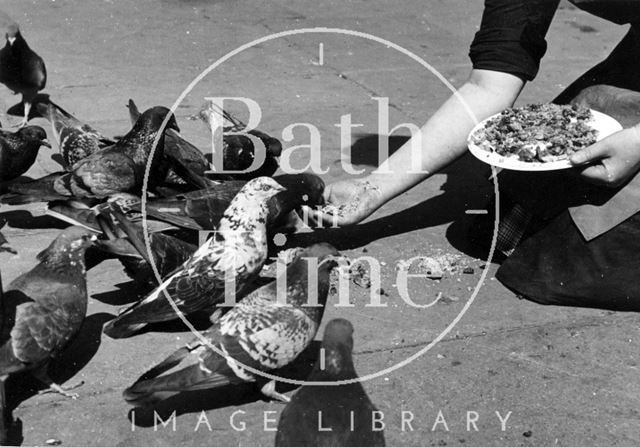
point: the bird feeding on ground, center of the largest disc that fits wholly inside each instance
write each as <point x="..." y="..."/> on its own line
<point x="223" y="266"/>
<point x="43" y="309"/>
<point x="265" y="331"/>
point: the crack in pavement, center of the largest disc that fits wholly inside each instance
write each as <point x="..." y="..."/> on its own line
<point x="340" y="73"/>
<point x="581" y="323"/>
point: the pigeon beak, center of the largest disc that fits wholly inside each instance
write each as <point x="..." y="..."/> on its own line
<point x="45" y="143"/>
<point x="173" y="124"/>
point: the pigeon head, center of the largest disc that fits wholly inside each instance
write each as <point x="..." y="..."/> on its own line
<point x="260" y="189"/>
<point x="327" y="255"/>
<point x="153" y="118"/>
<point x="12" y="32"/>
<point x="74" y="239"/>
<point x="307" y="189"/>
<point x="67" y="250"/>
<point x="249" y="209"/>
<point x="212" y="115"/>
<point x="139" y="141"/>
<point x="338" y="332"/>
<point x="34" y="134"/>
<point x="337" y="343"/>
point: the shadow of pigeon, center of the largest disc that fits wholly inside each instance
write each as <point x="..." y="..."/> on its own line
<point x="27" y="221"/>
<point x="18" y="109"/>
<point x="59" y="160"/>
<point x="14" y="432"/>
<point x="4" y="243"/>
<point x="199" y="320"/>
<point x="77" y="354"/>
<point x="125" y="293"/>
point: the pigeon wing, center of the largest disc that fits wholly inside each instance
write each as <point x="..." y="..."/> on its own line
<point x="196" y="285"/>
<point x="41" y="329"/>
<point x="106" y="172"/>
<point x="271" y="333"/>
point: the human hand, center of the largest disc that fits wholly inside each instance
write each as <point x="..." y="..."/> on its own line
<point x="348" y="203"/>
<point x="611" y="161"/>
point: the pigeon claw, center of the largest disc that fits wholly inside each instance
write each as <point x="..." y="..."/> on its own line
<point x="7" y="249"/>
<point x="269" y="390"/>
<point x="55" y="388"/>
<point x="215" y="316"/>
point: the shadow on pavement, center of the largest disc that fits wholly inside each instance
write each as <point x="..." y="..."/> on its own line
<point x="84" y="346"/>
<point x="18" y="109"/>
<point x="364" y="150"/>
<point x="27" y="221"/>
<point x="437" y="210"/>
<point x="466" y="184"/>
<point x="123" y="294"/>
<point x="57" y="158"/>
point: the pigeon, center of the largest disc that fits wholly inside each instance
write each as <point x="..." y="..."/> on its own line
<point x="177" y="148"/>
<point x="18" y="150"/>
<point x="238" y="248"/>
<point x="114" y="169"/>
<point x="238" y="151"/>
<point x="121" y="167"/>
<point x="263" y="332"/>
<point x="344" y="411"/>
<point x="195" y="210"/>
<point x="43" y="309"/>
<point x="125" y="240"/>
<point x="202" y="210"/>
<point x="21" y="69"/>
<point x="76" y="140"/>
<point x="79" y="213"/>
<point x="44" y="189"/>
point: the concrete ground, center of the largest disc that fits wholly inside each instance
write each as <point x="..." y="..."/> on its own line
<point x="564" y="376"/>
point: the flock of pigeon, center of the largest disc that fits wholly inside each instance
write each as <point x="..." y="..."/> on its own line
<point x="99" y="192"/>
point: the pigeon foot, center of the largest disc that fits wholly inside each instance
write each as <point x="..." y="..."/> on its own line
<point x="55" y="388"/>
<point x="269" y="390"/>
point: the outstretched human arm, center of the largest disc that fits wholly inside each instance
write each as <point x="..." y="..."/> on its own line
<point x="442" y="140"/>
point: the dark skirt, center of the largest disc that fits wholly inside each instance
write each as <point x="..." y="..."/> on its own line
<point x="554" y="264"/>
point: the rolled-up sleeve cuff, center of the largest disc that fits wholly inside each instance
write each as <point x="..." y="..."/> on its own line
<point x="508" y="50"/>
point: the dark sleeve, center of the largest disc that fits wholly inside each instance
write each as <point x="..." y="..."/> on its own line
<point x="511" y="38"/>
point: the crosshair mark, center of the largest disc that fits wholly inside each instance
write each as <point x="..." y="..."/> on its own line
<point x="477" y="212"/>
<point x="320" y="55"/>
<point x="322" y="365"/>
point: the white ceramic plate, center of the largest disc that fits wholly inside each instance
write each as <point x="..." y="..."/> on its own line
<point x="604" y="124"/>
